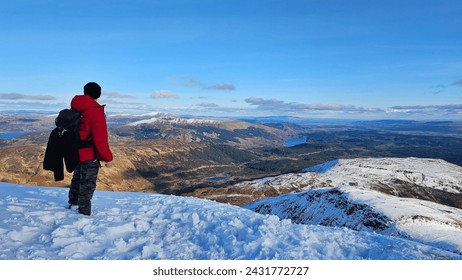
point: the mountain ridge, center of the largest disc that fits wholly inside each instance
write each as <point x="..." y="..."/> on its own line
<point x="397" y="197"/>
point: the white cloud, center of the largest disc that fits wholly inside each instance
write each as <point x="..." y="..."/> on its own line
<point x="164" y="94"/>
<point x="208" y="105"/>
<point x="429" y="110"/>
<point x="20" y="96"/>
<point x="286" y="107"/>
<point x="193" y="82"/>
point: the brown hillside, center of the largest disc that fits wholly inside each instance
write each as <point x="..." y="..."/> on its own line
<point x="163" y="166"/>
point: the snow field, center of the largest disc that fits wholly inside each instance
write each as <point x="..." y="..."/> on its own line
<point x="35" y="224"/>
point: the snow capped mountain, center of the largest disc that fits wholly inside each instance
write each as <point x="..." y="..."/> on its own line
<point x="165" y="126"/>
<point x="159" y="117"/>
<point x="417" y="199"/>
<point x="34" y="224"/>
<point x="408" y="172"/>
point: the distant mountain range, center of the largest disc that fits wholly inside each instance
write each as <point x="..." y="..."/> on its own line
<point x="34" y="129"/>
<point x="162" y="126"/>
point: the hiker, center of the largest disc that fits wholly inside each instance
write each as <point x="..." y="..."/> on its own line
<point x="93" y="128"/>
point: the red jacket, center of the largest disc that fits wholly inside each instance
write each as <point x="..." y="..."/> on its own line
<point x="93" y="127"/>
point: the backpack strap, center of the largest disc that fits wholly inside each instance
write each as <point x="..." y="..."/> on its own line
<point x="86" y="143"/>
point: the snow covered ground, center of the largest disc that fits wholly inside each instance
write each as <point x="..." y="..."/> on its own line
<point x="35" y="224"/>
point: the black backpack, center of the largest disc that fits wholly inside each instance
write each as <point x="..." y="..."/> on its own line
<point x="68" y="122"/>
<point x="64" y="143"/>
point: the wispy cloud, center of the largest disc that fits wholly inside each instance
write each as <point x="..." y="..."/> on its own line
<point x="199" y="97"/>
<point x="457" y="83"/>
<point x="436" y="89"/>
<point x="208" y="105"/>
<point x="120" y="106"/>
<point x="267" y="107"/>
<point x="436" y="110"/>
<point x="20" y="96"/>
<point x="164" y="94"/>
<point x="193" y="82"/>
<point x="290" y="107"/>
<point x="441" y="87"/>
<point x="118" y="95"/>
<point x="220" y="87"/>
<point x="266" y="103"/>
<point x="29" y="105"/>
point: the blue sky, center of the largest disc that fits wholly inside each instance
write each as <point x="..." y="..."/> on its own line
<point x="335" y="59"/>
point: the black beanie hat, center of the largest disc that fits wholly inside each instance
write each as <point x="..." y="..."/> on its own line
<point x="92" y="89"/>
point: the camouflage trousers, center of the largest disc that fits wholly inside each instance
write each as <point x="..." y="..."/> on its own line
<point x="83" y="185"/>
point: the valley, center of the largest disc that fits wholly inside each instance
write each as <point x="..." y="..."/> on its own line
<point x="211" y="158"/>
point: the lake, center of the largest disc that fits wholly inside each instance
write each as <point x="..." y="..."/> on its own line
<point x="216" y="179"/>
<point x="295" y="141"/>
<point x="10" y="135"/>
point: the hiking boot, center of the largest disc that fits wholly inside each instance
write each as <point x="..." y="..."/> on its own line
<point x="84" y="212"/>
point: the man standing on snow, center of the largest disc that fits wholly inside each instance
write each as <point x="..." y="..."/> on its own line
<point x="93" y="128"/>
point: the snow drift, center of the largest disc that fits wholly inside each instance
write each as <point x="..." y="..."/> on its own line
<point x="35" y="224"/>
